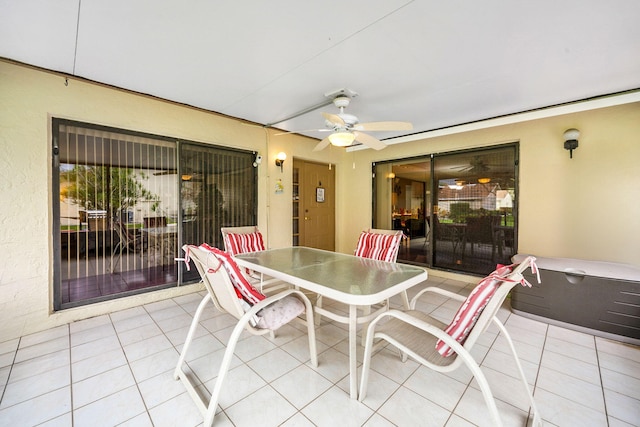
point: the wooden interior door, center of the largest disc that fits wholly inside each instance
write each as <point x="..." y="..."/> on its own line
<point x="317" y="205"/>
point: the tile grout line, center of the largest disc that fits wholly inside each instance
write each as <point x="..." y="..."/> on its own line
<point x="72" y="412"/>
<point x="604" y="398"/>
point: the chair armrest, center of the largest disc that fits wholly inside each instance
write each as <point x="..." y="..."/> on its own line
<point x="436" y="290"/>
<point x="425" y="326"/>
<point x="408" y="318"/>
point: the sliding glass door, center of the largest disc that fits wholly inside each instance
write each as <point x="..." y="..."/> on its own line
<point x="403" y="202"/>
<point x="124" y="203"/>
<point x="457" y="210"/>
<point x="218" y="189"/>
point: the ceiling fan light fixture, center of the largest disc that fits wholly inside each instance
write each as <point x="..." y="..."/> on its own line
<point x="484" y="180"/>
<point x="342" y="139"/>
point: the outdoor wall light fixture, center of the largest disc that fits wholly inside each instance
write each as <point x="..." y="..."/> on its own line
<point x="571" y="140"/>
<point x="280" y="158"/>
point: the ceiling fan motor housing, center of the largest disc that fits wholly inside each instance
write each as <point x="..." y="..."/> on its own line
<point x="341" y="101"/>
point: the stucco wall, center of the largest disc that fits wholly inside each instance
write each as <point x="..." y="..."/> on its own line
<point x="585" y="207"/>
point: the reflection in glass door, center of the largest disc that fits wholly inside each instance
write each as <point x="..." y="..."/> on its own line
<point x="114" y="213"/>
<point x="124" y="202"/>
<point x="458" y="211"/>
<point x="217" y="189"/>
<point x="474" y="209"/>
<point x="402" y="202"/>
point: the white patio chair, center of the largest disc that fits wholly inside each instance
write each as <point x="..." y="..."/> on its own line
<point x="383" y="245"/>
<point x="376" y="244"/>
<point x="225" y="284"/>
<point x="239" y="240"/>
<point x="445" y="348"/>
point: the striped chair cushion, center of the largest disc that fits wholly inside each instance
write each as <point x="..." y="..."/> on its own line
<point x="470" y="310"/>
<point x="240" y="243"/>
<point x="240" y="283"/>
<point x="382" y="247"/>
<point x="274" y="315"/>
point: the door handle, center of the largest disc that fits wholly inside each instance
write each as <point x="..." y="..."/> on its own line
<point x="306" y="218"/>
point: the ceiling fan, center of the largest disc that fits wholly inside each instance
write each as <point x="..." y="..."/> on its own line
<point x="346" y="128"/>
<point x="476" y="164"/>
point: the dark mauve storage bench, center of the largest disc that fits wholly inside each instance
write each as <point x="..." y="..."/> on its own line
<point x="600" y="298"/>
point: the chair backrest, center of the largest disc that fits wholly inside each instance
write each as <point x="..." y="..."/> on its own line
<point x="222" y="279"/>
<point x="124" y="234"/>
<point x="479" y="229"/>
<point x="486" y="299"/>
<point x="379" y="244"/>
<point x="239" y="240"/>
<point x="442" y="231"/>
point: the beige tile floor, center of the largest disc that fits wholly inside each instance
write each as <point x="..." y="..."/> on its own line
<point x="117" y="370"/>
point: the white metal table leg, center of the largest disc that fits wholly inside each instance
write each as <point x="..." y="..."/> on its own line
<point x="353" y="339"/>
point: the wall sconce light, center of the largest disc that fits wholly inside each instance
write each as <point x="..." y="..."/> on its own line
<point x="571" y="140"/>
<point x="280" y="158"/>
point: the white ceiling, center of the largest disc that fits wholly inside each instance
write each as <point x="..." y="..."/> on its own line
<point x="433" y="63"/>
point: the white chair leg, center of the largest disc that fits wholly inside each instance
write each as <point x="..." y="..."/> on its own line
<point x="537" y="421"/>
<point x="366" y="310"/>
<point x="319" y="305"/>
<point x="366" y="362"/>
<point x="405" y="300"/>
<point x="229" y="352"/>
<point x="311" y="332"/>
<point x="190" y="334"/>
<point x="484" y="386"/>
<point x="224" y="369"/>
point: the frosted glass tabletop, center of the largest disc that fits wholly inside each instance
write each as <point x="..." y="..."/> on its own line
<point x="346" y="278"/>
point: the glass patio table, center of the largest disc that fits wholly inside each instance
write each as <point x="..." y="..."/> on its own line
<point x="348" y="279"/>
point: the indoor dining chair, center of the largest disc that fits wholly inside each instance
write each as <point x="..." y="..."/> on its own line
<point x="443" y="347"/>
<point x="239" y="240"/>
<point x="230" y="292"/>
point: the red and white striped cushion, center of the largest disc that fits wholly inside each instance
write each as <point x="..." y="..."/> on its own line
<point x="382" y="247"/>
<point x="236" y="243"/>
<point x="470" y="310"/>
<point x="247" y="292"/>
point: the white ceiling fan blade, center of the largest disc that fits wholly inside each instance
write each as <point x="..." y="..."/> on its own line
<point x="376" y="126"/>
<point x="335" y="119"/>
<point x="322" y="144"/>
<point x="369" y="141"/>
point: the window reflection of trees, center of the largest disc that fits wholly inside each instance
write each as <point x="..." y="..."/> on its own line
<point x="121" y="209"/>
